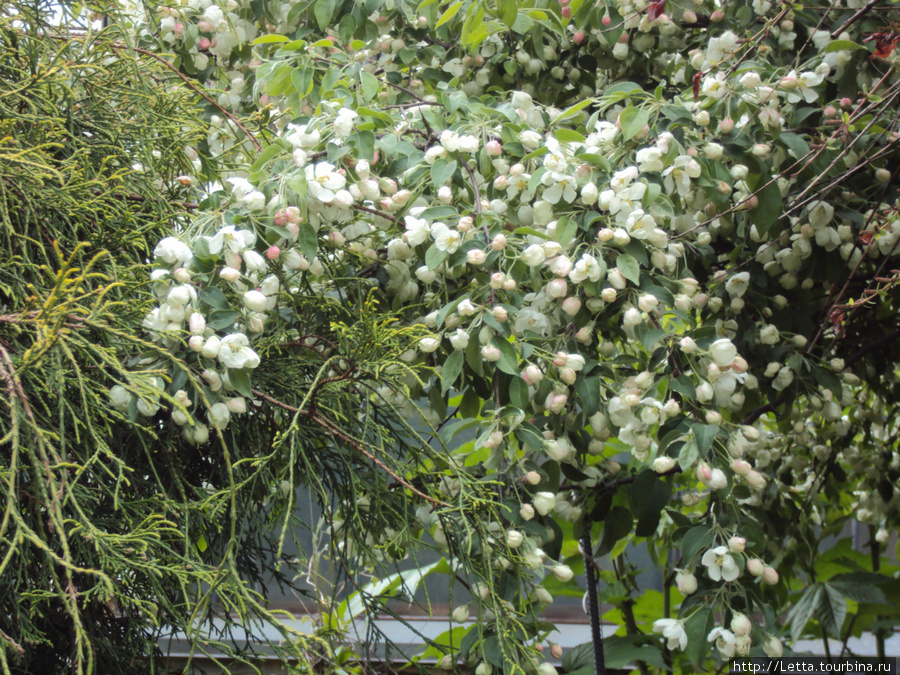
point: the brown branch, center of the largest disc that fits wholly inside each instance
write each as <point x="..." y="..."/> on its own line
<point x="376" y="212"/>
<point x="356" y="445"/>
<point x="762" y="410"/>
<point x="872" y="346"/>
<point x="14" y="644"/>
<point x="856" y="17"/>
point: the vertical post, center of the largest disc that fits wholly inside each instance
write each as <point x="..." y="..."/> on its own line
<point x="587" y="550"/>
<point x="875" y="548"/>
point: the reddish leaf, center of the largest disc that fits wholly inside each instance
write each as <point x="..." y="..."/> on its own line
<point x="656" y="9"/>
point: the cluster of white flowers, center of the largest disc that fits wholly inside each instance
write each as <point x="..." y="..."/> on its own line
<point x="587" y="259"/>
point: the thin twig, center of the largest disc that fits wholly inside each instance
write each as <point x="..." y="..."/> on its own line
<point x="356" y="445"/>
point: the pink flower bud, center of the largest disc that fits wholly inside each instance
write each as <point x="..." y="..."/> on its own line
<point x="280" y="219"/>
<point x="737" y="544"/>
<point x="578" y="37"/>
<point x="726" y="126"/>
<point x="205" y="27"/>
<point x="571" y="306"/>
<point x="532" y="375"/>
<point x="566" y="12"/>
<point x="273" y="252"/>
<point x="493" y="148"/>
<point x="846" y="102"/>
<point x="770" y="576"/>
<point x="718" y="16"/>
<point x="557" y="288"/>
<point x="740" y="467"/>
<point x="606" y="20"/>
<point x="756" y="567"/>
<point x="203" y="44"/>
<point x="556" y="651"/>
<point x="561" y="359"/>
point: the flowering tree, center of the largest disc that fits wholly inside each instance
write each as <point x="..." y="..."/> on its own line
<point x="528" y="283"/>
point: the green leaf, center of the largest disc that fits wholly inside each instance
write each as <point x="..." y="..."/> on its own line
<point x="616" y="526"/>
<point x="572" y="110"/>
<point x="269" y="39"/>
<point x="860" y="587"/>
<point x="509" y="360"/>
<point x="632" y="120"/>
<point x="831" y="610"/>
<point x="796" y="143"/>
<point x="568" y="136"/>
<point x="768" y="209"/>
<point x="220" y="319"/>
<point x="302" y="79"/>
<point x="438" y="213"/>
<point x="323" y="12"/>
<point x="215" y="298"/>
<point x="264" y="157"/>
<point x="588" y="390"/>
<point x="376" y="114"/>
<point x="565" y="230"/>
<point x="697" y="627"/>
<point x="579" y="657"/>
<point x="240" y="380"/>
<point x="434" y="257"/>
<point x="705" y="434"/>
<point x="683" y="385"/>
<point x="369" y="84"/>
<point x="687" y="455"/>
<point x="442" y="171"/>
<point x="518" y="393"/>
<point x="509" y="10"/>
<point x="629" y="268"/>
<point x="449" y="13"/>
<point x="696" y="539"/>
<point x="621" y="651"/>
<point x="366" y="145"/>
<point x="801" y="612"/>
<point x="649" y="496"/>
<point x="308" y="241"/>
<point x="451" y="369"/>
<point x="841" y="45"/>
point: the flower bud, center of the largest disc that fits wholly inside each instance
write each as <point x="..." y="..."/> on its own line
<point x="686" y="582"/>
<point x="740" y="624"/>
<point x="461" y="614"/>
<point x="544" y="502"/>
<point x="664" y="464"/>
<point x="197" y="324"/>
<point x="236" y="405"/>
<point x="563" y="572"/>
<point x="756" y="567"/>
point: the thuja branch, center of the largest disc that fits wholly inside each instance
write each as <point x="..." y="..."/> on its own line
<point x="356" y="445"/>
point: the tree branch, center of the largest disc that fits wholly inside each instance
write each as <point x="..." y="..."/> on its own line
<point x="356" y="445"/>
